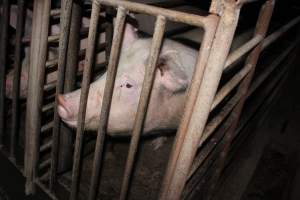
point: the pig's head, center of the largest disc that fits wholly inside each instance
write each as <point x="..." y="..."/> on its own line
<point x="167" y="96"/>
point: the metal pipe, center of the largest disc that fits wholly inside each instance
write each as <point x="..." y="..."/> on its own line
<point x="228" y="87"/>
<point x="192" y="125"/>
<point x="65" y="133"/>
<point x="238" y="53"/>
<point x="261" y="29"/>
<point x="3" y="62"/>
<point x="65" y="24"/>
<point x="216" y="121"/>
<point x="107" y="96"/>
<point x="176" y="16"/>
<point x="83" y="99"/>
<point x="16" y="80"/>
<point x="38" y="55"/>
<point x="143" y="102"/>
<point x="274" y="36"/>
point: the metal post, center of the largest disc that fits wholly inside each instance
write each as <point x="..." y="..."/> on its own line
<point x="198" y="108"/>
<point x="38" y="56"/>
<point x="90" y="54"/>
<point x="16" y="83"/>
<point x="3" y="62"/>
<point x="143" y="103"/>
<point x="62" y="59"/>
<point x="261" y="29"/>
<point x="65" y="140"/>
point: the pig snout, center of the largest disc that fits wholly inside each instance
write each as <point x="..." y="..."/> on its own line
<point x="66" y="110"/>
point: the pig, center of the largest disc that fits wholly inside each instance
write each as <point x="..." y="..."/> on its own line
<point x="175" y="68"/>
<point x="173" y="75"/>
<point x="52" y="54"/>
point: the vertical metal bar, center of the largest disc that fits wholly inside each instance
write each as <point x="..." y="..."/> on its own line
<point x="90" y="54"/>
<point x="38" y="56"/>
<point x="3" y="62"/>
<point x="62" y="58"/>
<point x="261" y="29"/>
<point x="143" y="103"/>
<point x="16" y="83"/>
<point x="107" y="96"/>
<point x="65" y="140"/>
<point x="198" y="106"/>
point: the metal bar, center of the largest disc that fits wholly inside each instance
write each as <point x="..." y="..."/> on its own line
<point x="261" y="29"/>
<point x="238" y="53"/>
<point x="216" y="121"/>
<point x="107" y="96"/>
<point x="191" y="19"/>
<point x="198" y="106"/>
<point x="228" y="87"/>
<point x="48" y="107"/>
<point x="3" y="62"/>
<point x="44" y="164"/>
<point x="143" y="103"/>
<point x="55" y="12"/>
<point x="46" y="146"/>
<point x="66" y="134"/>
<point x="83" y="99"/>
<point x="47" y="127"/>
<point x="38" y="55"/>
<point x="62" y="59"/>
<point x="274" y="36"/>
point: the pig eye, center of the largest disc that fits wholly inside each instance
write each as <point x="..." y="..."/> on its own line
<point x="128" y="85"/>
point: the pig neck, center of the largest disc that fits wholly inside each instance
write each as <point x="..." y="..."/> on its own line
<point x="165" y="113"/>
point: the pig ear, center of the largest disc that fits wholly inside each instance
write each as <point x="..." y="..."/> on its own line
<point x="130" y="35"/>
<point x="171" y="74"/>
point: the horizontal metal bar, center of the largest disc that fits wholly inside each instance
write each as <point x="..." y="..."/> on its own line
<point x="51" y="63"/>
<point x="241" y="2"/>
<point x="177" y="16"/>
<point x="50" y="86"/>
<point x="55" y="12"/>
<point x="228" y="87"/>
<point x="45" y="176"/>
<point x="48" y="107"/>
<point x="47" y="127"/>
<point x="238" y="53"/>
<point x="45" y="164"/>
<point x="274" y="36"/>
<point x="46" y="146"/>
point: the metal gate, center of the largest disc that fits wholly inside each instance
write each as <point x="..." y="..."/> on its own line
<point x="197" y="137"/>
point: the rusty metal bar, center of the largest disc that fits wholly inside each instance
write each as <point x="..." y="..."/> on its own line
<point x="3" y="62"/>
<point x="107" y="96"/>
<point x="55" y="12"/>
<point x="44" y="164"/>
<point x="176" y="16"/>
<point x="83" y="99"/>
<point x="46" y="146"/>
<point x="261" y="29"/>
<point x="238" y="53"/>
<point x="274" y="36"/>
<point x="143" y="102"/>
<point x="66" y="134"/>
<point x="216" y="121"/>
<point x="16" y="79"/>
<point x="38" y="55"/>
<point x="65" y="24"/>
<point x="47" y="127"/>
<point x="227" y="88"/>
<point x="48" y="107"/>
<point x="198" y="106"/>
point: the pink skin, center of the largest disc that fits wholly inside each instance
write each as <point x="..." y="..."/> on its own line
<point x="175" y="64"/>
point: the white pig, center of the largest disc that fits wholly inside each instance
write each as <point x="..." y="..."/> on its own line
<point x="175" y="68"/>
<point x="52" y="54"/>
<point x="173" y="75"/>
